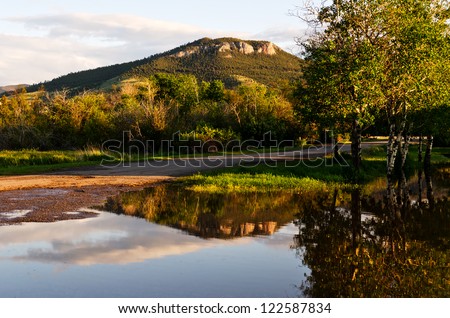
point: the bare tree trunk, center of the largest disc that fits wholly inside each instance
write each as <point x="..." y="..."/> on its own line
<point x="401" y="178"/>
<point x="403" y="191"/>
<point x="392" y="149"/>
<point x="356" y="148"/>
<point x="397" y="202"/>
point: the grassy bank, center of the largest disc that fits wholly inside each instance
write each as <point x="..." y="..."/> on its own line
<point x="30" y="161"/>
<point x="321" y="174"/>
<point x="247" y="182"/>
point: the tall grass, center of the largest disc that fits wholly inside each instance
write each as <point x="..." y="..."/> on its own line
<point x="33" y="157"/>
<point x="329" y="175"/>
<point x="246" y="182"/>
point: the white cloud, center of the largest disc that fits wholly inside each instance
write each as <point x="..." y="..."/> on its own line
<point x="32" y="59"/>
<point x="63" y="43"/>
<point x="111" y="27"/>
<point x="74" y="42"/>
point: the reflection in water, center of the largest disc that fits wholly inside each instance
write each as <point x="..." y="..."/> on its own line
<point x="379" y="256"/>
<point x="242" y="245"/>
<point x="107" y="239"/>
<point x="210" y="215"/>
<point x="350" y="253"/>
<point x="119" y="256"/>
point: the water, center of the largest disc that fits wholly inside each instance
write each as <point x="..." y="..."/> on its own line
<point x="169" y="242"/>
<point x="121" y="256"/>
<point x="210" y="215"/>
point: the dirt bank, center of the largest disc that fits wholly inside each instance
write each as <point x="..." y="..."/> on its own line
<point x="49" y="198"/>
<point x="56" y="196"/>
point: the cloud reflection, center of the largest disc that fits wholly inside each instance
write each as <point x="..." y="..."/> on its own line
<point x="106" y="239"/>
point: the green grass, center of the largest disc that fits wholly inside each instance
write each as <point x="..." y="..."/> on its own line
<point x="303" y="177"/>
<point x="264" y="178"/>
<point x="28" y="161"/>
<point x="246" y="182"/>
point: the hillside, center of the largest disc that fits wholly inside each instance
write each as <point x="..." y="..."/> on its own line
<point x="11" y="88"/>
<point x="89" y="79"/>
<point x="227" y="59"/>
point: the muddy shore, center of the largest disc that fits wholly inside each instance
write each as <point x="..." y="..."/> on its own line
<point x="64" y="195"/>
<point x="50" y="198"/>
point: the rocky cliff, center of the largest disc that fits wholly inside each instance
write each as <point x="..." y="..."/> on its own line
<point x="228" y="46"/>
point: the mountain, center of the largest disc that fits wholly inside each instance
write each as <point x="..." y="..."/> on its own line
<point x="11" y="88"/>
<point x="228" y="59"/>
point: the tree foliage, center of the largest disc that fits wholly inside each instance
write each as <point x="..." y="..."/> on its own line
<point x="374" y="59"/>
<point x="148" y="108"/>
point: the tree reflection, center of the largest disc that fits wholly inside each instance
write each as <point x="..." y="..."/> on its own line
<point x="376" y="256"/>
<point x="351" y="242"/>
<point x="207" y="215"/>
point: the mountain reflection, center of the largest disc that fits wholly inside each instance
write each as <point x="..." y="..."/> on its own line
<point x="208" y="215"/>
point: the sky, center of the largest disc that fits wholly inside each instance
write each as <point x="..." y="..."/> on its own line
<point x="41" y="40"/>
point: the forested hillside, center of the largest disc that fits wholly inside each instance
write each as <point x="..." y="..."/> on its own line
<point x="227" y="59"/>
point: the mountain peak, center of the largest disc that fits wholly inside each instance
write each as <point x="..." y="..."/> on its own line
<point x="226" y="59"/>
<point x="226" y="46"/>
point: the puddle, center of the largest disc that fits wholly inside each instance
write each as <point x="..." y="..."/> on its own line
<point x="206" y="215"/>
<point x="14" y="214"/>
<point x="169" y="242"/>
<point x="121" y="256"/>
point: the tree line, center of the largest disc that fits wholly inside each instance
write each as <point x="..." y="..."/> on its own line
<point x="371" y="67"/>
<point x="148" y="108"/>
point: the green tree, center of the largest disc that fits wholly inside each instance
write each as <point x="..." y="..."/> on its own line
<point x="259" y="109"/>
<point x="182" y="88"/>
<point x="18" y="121"/>
<point x="371" y="57"/>
<point x="214" y="91"/>
<point x="341" y="85"/>
<point x="92" y="113"/>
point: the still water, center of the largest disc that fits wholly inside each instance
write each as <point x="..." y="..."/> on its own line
<point x="167" y="241"/>
<point x="122" y="256"/>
